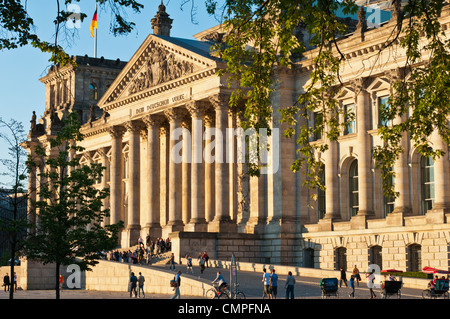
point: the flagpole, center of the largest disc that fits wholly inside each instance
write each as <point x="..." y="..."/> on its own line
<point x="95" y="43"/>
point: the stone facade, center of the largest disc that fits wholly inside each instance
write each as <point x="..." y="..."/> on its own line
<point x="152" y="133"/>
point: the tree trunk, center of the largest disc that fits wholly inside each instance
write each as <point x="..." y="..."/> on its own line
<point x="58" y="266"/>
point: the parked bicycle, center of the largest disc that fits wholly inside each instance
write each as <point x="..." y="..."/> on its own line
<point x="236" y="293"/>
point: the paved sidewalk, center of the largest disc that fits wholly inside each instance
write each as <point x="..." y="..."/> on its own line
<point x="79" y="294"/>
<point x="250" y="283"/>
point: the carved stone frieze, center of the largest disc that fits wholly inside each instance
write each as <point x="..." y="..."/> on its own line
<point x="161" y="66"/>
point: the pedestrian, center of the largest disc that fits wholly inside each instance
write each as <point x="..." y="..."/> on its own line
<point x="133" y="285"/>
<point x="343" y="278"/>
<point x="266" y="284"/>
<point x="172" y="262"/>
<point x="355" y="273"/>
<point x="290" y="282"/>
<point x="201" y="262"/>
<point x="61" y="281"/>
<point x="15" y="281"/>
<point x="177" y="279"/>
<point x="189" y="264"/>
<point x="206" y="258"/>
<point x="352" y="285"/>
<point x="274" y="284"/>
<point x="6" y="282"/>
<point x="371" y="283"/>
<point x="141" y="280"/>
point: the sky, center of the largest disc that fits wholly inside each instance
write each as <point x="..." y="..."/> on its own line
<point x="21" y="92"/>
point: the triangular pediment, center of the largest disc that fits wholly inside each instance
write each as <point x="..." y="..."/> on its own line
<point x="159" y="61"/>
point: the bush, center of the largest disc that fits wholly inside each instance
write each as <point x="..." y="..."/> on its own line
<point x="412" y="274"/>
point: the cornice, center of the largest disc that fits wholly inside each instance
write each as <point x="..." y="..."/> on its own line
<point x="160" y="89"/>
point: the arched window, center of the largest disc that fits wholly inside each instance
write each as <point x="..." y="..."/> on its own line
<point x="341" y="258"/>
<point x="414" y="257"/>
<point x="375" y="256"/>
<point x="93" y="92"/>
<point x="308" y="258"/>
<point x="353" y="188"/>
<point x="427" y="183"/>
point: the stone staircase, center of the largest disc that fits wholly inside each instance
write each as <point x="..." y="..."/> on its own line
<point x="161" y="259"/>
<point x="157" y="260"/>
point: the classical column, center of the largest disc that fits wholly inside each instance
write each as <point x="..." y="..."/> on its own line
<point x="104" y="180"/>
<point x="153" y="225"/>
<point x="209" y="189"/>
<point x="134" y="225"/>
<point x="175" y="222"/>
<point x="441" y="176"/>
<point x="186" y="170"/>
<point x="402" y="203"/>
<point x="116" y="204"/>
<point x="364" y="150"/>
<point x="222" y="220"/>
<point x="243" y="176"/>
<point x="164" y="153"/>
<point x="197" y="222"/>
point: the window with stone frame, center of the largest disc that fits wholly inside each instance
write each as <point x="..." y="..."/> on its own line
<point x="388" y="201"/>
<point x="350" y="119"/>
<point x="427" y="183"/>
<point x="308" y="258"/>
<point x="321" y="199"/>
<point x="93" y="92"/>
<point x="375" y="256"/>
<point x="353" y="188"/>
<point x="383" y="105"/>
<point x="341" y="258"/>
<point x="414" y="257"/>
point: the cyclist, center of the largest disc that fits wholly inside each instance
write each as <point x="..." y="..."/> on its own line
<point x="220" y="281"/>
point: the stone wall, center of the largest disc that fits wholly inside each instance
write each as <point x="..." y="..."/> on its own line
<point x="114" y="276"/>
<point x="105" y="276"/>
<point x="433" y="239"/>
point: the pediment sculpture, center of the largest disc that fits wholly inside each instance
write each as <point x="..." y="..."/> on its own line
<point x="162" y="66"/>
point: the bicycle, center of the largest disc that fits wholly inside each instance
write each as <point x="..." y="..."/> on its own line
<point x="236" y="293"/>
<point x="215" y="292"/>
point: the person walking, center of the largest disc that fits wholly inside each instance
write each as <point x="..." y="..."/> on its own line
<point x="290" y="282"/>
<point x="133" y="285"/>
<point x="266" y="283"/>
<point x="274" y="284"/>
<point x="189" y="264"/>
<point x="141" y="280"/>
<point x="6" y="282"/>
<point x="355" y="273"/>
<point x="201" y="263"/>
<point x="343" y="278"/>
<point x="61" y="281"/>
<point x="352" y="285"/>
<point x="177" y="279"/>
<point x="371" y="283"/>
<point x="172" y="262"/>
<point x="206" y="258"/>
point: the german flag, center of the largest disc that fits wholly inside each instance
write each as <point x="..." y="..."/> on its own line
<point x="94" y="23"/>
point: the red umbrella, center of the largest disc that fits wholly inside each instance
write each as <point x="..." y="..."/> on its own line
<point x="431" y="270"/>
<point x="391" y="270"/>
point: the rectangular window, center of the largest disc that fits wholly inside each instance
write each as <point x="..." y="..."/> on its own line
<point x="383" y="106"/>
<point x="349" y="119"/>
